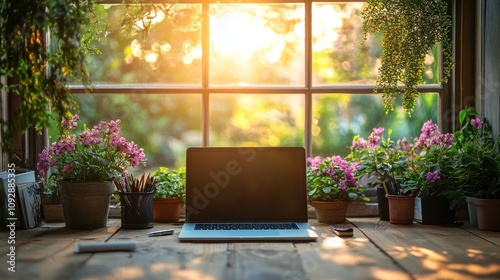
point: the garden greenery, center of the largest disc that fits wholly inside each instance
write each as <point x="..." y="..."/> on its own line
<point x="38" y="70"/>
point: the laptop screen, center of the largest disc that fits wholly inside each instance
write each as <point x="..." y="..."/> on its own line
<point x="230" y="184"/>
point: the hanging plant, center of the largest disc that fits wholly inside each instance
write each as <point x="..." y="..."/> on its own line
<point x="410" y="29"/>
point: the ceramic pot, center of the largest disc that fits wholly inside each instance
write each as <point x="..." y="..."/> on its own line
<point x="167" y="210"/>
<point x="137" y="209"/>
<point x="401" y="209"/>
<point x="471" y="207"/>
<point x="488" y="214"/>
<point x="434" y="210"/>
<point x="330" y="212"/>
<point x="85" y="204"/>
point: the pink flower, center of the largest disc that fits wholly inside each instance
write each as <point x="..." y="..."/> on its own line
<point x="476" y="122"/>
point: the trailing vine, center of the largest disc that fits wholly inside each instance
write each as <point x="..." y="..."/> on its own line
<point x="410" y="28"/>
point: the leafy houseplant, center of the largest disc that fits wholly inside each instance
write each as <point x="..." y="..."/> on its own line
<point x="83" y="166"/>
<point x="479" y="157"/>
<point x="331" y="183"/>
<point x="478" y="170"/>
<point x="410" y="28"/>
<point x="170" y="194"/>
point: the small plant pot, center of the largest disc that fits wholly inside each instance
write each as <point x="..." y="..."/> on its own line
<point x="167" y="210"/>
<point x="383" y="204"/>
<point x="401" y="209"/>
<point x="471" y="208"/>
<point x="330" y="212"/>
<point x="488" y="214"/>
<point x="53" y="213"/>
<point x="137" y="210"/>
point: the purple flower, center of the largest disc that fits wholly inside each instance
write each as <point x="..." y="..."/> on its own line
<point x="97" y="153"/>
<point x="476" y="122"/>
<point x="432" y="176"/>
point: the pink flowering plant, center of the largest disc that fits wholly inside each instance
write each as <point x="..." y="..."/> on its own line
<point x="431" y="162"/>
<point x="383" y="159"/>
<point x="97" y="154"/>
<point x="332" y="179"/>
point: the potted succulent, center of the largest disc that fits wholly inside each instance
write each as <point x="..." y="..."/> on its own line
<point x="170" y="194"/>
<point x="331" y="185"/>
<point x="478" y="170"/>
<point x="84" y="165"/>
<point x="136" y="199"/>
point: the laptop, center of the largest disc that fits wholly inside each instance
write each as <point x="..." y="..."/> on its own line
<point x="246" y="194"/>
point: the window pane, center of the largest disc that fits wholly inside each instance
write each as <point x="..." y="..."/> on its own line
<point x="257" y="44"/>
<point x="163" y="124"/>
<point x="263" y="120"/>
<point x="337" y="118"/>
<point x="338" y="57"/>
<point x="170" y="54"/>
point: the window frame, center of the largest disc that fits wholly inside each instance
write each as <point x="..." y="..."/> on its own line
<point x="308" y="90"/>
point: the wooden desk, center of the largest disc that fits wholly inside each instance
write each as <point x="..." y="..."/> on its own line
<point x="378" y="250"/>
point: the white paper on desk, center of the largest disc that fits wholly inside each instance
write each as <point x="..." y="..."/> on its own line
<point x="91" y="247"/>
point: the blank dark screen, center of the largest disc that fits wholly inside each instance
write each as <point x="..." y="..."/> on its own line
<point x="245" y="184"/>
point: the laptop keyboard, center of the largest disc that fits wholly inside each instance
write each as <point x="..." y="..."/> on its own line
<point x="245" y="226"/>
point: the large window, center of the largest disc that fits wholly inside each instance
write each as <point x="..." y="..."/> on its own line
<point x="283" y="73"/>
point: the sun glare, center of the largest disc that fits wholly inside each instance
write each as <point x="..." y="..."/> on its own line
<point x="240" y="35"/>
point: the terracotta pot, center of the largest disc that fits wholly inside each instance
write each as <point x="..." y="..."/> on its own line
<point x="167" y="210"/>
<point x="401" y="209"/>
<point x="330" y="212"/>
<point x="85" y="204"/>
<point x="488" y="214"/>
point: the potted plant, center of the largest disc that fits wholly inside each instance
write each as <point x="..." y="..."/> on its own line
<point x="170" y="194"/>
<point x="431" y="170"/>
<point x="136" y="199"/>
<point x="84" y="165"/>
<point x="51" y="203"/>
<point x="386" y="161"/>
<point x="410" y="29"/>
<point x="331" y="185"/>
<point x="478" y="172"/>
